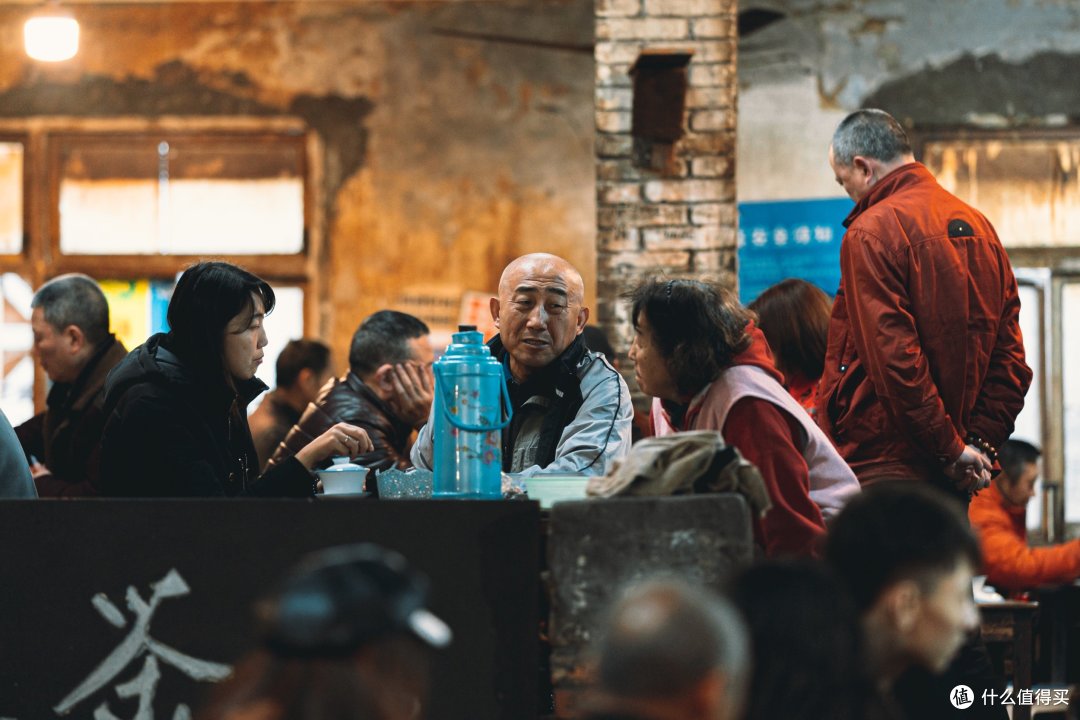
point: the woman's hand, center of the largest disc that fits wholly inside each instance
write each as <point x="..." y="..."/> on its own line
<point x="341" y="439"/>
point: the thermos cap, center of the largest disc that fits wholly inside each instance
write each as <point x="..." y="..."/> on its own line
<point x="467" y="335"/>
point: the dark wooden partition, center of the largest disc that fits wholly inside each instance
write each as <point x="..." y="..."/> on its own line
<point x="99" y="596"/>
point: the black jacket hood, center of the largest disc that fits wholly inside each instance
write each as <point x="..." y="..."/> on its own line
<point x="154" y="362"/>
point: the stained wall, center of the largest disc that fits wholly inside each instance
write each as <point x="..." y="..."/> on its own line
<point x="455" y="136"/>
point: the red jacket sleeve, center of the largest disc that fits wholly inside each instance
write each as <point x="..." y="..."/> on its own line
<point x="765" y="436"/>
<point x="887" y="341"/>
<point x="1009" y="563"/>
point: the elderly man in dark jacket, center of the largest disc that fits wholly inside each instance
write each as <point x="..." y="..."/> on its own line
<point x="72" y="342"/>
<point x="387" y="391"/>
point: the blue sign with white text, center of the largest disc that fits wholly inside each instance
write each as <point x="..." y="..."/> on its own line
<point x="780" y="239"/>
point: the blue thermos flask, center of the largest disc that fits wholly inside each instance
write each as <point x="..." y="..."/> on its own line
<point x="470" y="398"/>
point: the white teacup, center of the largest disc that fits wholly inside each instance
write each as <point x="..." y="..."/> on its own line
<point x="342" y="478"/>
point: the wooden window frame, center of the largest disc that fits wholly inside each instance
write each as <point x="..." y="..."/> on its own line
<point x="41" y="258"/>
<point x="13" y="262"/>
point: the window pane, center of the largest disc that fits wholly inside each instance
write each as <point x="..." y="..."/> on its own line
<point x="1028" y="188"/>
<point x="137" y="308"/>
<point x="16" y="340"/>
<point x="1070" y="349"/>
<point x="181" y="196"/>
<point x="11" y="197"/>
<point x="285" y="323"/>
<point x="1029" y="422"/>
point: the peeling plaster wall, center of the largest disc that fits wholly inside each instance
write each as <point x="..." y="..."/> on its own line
<point x="457" y="136"/>
<point x="985" y="63"/>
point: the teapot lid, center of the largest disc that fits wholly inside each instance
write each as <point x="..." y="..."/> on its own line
<point x="342" y="464"/>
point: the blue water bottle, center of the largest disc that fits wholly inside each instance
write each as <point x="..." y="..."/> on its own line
<point x="470" y="395"/>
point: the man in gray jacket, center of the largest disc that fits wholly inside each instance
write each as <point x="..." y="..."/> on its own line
<point x="572" y="410"/>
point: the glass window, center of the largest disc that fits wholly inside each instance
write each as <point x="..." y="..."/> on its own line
<point x="16" y="341"/>
<point x="1029" y="422"/>
<point x="285" y="323"/>
<point x="11" y="198"/>
<point x="137" y="308"/>
<point x="187" y="196"/>
<point x="1070" y="349"/>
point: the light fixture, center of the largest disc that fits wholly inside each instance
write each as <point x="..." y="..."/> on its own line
<point x="51" y="36"/>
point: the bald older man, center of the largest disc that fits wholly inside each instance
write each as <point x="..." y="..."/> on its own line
<point x="670" y="650"/>
<point x="572" y="410"/>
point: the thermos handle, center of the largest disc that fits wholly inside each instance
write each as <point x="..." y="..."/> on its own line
<point x="504" y="402"/>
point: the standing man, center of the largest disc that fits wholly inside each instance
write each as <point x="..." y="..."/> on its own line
<point x="924" y="371"/>
<point x="70" y="321"/>
<point x="302" y="368"/>
<point x="1000" y="517"/>
<point x="572" y="410"/>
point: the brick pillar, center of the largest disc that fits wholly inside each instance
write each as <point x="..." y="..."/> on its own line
<point x="681" y="220"/>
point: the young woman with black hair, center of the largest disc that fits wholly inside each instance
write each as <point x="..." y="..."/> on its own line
<point x="176" y="405"/>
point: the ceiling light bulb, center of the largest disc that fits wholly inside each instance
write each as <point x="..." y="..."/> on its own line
<point x="51" y="38"/>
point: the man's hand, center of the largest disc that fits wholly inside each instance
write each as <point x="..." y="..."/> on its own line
<point x="971" y="471"/>
<point x="413" y="393"/>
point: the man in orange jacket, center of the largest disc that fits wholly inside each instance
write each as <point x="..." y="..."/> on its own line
<point x="998" y="514"/>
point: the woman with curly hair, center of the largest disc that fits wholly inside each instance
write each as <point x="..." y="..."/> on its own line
<point x="698" y="353"/>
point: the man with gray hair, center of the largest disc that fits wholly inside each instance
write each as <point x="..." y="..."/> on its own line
<point x="924" y="371"/>
<point x="670" y="650"/>
<point x="70" y="321"/>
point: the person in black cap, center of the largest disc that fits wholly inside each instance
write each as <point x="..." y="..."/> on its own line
<point x="346" y="635"/>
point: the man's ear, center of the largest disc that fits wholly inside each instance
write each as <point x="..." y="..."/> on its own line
<point x="494" y="305"/>
<point x="903" y="601"/>
<point x="582" y="318"/>
<point x="306" y="380"/>
<point x="75" y="337"/>
<point x="381" y="377"/>
<point x="862" y="165"/>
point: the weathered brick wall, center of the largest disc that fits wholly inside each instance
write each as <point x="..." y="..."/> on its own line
<point x="680" y="221"/>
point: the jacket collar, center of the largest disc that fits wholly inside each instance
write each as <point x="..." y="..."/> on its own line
<point x="899" y="179"/>
<point x="218" y="394"/>
<point x="78" y="394"/>
<point x="362" y="389"/>
<point x="995" y="497"/>
<point x="558" y="372"/>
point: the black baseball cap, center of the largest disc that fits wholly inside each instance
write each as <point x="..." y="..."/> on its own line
<point x="335" y="601"/>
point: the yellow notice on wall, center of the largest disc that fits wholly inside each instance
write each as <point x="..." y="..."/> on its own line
<point x="129" y="310"/>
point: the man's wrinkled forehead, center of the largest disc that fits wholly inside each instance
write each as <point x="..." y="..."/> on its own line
<point x="545" y="278"/>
